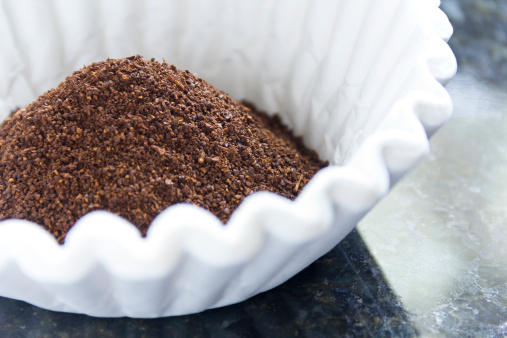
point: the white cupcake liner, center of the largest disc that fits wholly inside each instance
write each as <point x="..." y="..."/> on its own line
<point x="360" y="80"/>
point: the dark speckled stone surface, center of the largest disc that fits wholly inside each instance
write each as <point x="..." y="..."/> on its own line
<point x="480" y="37"/>
<point x="342" y="294"/>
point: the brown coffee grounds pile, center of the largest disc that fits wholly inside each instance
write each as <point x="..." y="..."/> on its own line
<point x="134" y="136"/>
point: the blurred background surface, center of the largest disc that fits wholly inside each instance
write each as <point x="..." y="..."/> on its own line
<point x="440" y="236"/>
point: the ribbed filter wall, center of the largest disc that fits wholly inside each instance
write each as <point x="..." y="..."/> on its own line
<point x="322" y="65"/>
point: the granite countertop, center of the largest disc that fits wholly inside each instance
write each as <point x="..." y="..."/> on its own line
<point x="480" y="38"/>
<point x="440" y="236"/>
<point x="429" y="260"/>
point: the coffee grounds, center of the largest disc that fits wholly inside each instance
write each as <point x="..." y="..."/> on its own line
<point x="134" y="136"/>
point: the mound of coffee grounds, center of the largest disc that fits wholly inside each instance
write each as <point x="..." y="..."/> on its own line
<point x="134" y="136"/>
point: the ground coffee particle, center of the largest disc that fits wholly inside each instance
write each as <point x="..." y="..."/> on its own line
<point x="134" y="136"/>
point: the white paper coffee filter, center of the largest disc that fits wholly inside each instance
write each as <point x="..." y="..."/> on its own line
<point x="360" y="81"/>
